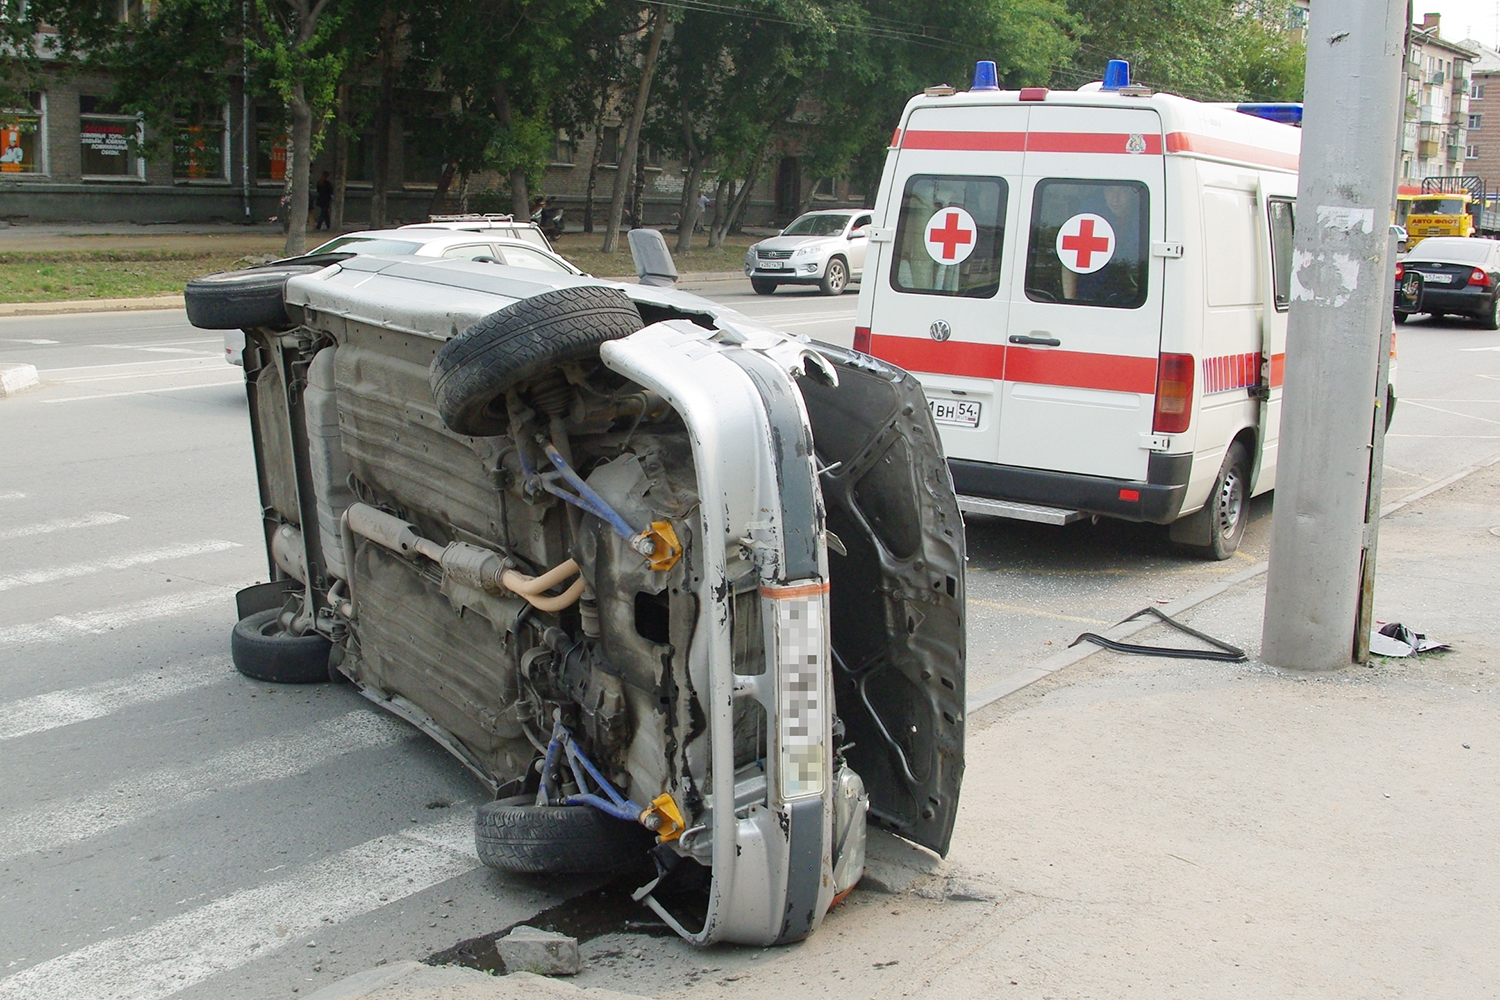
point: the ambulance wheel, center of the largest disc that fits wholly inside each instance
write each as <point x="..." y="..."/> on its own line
<point x="835" y="278"/>
<point x="1399" y="318"/>
<point x="1229" y="503"/>
<point x="762" y="286"/>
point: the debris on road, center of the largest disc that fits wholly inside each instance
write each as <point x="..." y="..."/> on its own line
<point x="15" y="376"/>
<point x="1395" y="639"/>
<point x="545" y="953"/>
<point x="1222" y="651"/>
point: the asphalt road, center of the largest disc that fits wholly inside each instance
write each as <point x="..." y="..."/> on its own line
<point x="173" y="829"/>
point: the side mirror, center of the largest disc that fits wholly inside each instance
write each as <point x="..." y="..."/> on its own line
<point x="858" y="234"/>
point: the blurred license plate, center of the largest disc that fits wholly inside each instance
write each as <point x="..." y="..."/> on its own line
<point x="959" y="412"/>
<point x="771" y="265"/>
<point x="1439" y="279"/>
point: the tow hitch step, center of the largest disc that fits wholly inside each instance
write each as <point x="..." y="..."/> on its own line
<point x="1018" y="511"/>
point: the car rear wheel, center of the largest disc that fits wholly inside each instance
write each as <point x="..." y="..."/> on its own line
<point x="835" y="278"/>
<point x="264" y="651"/>
<point x="472" y="371"/>
<point x="517" y="835"/>
<point x="1491" y="319"/>
<point x="762" y="286"/>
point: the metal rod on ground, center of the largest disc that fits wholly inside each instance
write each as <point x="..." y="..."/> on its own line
<point x="1340" y="297"/>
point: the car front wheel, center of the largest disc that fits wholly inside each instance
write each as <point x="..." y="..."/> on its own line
<point x="836" y="277"/>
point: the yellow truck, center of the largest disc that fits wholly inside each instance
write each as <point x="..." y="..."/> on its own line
<point x="1448" y="213"/>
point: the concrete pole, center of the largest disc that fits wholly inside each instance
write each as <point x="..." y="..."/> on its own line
<point x="1341" y="273"/>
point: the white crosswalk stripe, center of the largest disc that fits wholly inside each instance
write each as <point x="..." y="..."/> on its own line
<point x="61" y="524"/>
<point x="79" y="817"/>
<point x="227" y="933"/>
<point x="60" y="627"/>
<point x="126" y="561"/>
<point x="55" y="709"/>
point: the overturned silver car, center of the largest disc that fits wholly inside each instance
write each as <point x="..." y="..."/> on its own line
<point x="678" y="588"/>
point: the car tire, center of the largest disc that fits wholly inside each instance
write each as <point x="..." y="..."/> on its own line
<point x="1390" y="405"/>
<point x="1399" y="318"/>
<point x="835" y="277"/>
<point x="1491" y="319"/>
<point x="1229" y="504"/>
<point x="516" y="835"/>
<point x="472" y="371"/>
<point x="762" y="286"/>
<point x="263" y="651"/>
<point x="242" y="300"/>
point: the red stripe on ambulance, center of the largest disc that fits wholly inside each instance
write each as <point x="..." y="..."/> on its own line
<point x="1230" y="371"/>
<point x="1207" y="145"/>
<point x="1109" y="372"/>
<point x="1036" y="142"/>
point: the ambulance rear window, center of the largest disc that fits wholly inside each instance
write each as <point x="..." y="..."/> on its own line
<point x="948" y="236"/>
<point x="1090" y="242"/>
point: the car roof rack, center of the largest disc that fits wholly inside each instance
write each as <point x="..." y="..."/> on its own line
<point x="472" y="217"/>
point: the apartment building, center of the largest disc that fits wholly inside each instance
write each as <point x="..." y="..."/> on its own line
<point x="1437" y="115"/>
<point x="1482" y="146"/>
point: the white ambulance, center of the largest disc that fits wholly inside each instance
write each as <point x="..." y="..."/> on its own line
<point x="1092" y="287"/>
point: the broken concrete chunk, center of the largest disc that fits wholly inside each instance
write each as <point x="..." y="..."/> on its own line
<point x="546" y="953"/>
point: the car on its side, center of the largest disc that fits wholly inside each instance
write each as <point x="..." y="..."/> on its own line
<point x="826" y="249"/>
<point x="1450" y="276"/>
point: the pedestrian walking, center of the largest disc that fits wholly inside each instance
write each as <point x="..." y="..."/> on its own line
<point x="324" y="199"/>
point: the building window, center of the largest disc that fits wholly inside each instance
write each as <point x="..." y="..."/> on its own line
<point x="1477" y="91"/>
<point x="109" y="141"/>
<point x="609" y="146"/>
<point x="1471" y="152"/>
<point x="22" y="135"/>
<point x="564" y="149"/>
<point x="271" y="147"/>
<point x="421" y="156"/>
<point x="1474" y="121"/>
<point x="200" y="150"/>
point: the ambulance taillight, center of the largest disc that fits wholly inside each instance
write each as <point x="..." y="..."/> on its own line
<point x="862" y="339"/>
<point x="1174" y="394"/>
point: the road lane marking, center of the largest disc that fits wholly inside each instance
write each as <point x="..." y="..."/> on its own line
<point x="147" y="392"/>
<point x="1037" y="612"/>
<point x="60" y="627"/>
<point x="121" y="364"/>
<point x="187" y="949"/>
<point x="93" y="520"/>
<point x="36" y="341"/>
<point x="12" y="495"/>
<point x="271" y="758"/>
<point x="1451" y="413"/>
<point x="142" y="558"/>
<point x="122" y="376"/>
<point x="55" y="709"/>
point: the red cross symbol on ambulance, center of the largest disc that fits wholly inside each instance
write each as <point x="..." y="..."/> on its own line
<point x="1085" y="243"/>
<point x="950" y="235"/>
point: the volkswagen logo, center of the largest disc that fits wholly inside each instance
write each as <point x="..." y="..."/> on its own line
<point x="940" y="330"/>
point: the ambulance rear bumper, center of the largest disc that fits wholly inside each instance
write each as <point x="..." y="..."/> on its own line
<point x="1158" y="500"/>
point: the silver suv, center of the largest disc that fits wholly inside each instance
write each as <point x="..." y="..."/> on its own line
<point x="685" y="593"/>
<point x="826" y="249"/>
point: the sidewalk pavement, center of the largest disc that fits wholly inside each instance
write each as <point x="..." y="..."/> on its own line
<point x="1154" y="827"/>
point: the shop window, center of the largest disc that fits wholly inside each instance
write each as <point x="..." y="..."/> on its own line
<point x="271" y="149"/>
<point x="109" y="140"/>
<point x="200" y="150"/>
<point x="21" y="137"/>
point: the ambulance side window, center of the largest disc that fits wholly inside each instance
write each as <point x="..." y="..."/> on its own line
<point x="1283" y="220"/>
<point x="1090" y="243"/>
<point x="948" y="236"/>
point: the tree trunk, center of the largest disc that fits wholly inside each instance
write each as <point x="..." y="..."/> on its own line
<point x="633" y="132"/>
<point x="520" y="198"/>
<point x="588" y="198"/>
<point x="812" y="193"/>
<point x="638" y="194"/>
<point x="340" y="162"/>
<point x="742" y="200"/>
<point x="380" y="162"/>
<point x="722" y="195"/>
<point x="445" y="181"/>
<point x="301" y="167"/>
<point x="687" y="206"/>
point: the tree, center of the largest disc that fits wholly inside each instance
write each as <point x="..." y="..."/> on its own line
<point x="655" y="29"/>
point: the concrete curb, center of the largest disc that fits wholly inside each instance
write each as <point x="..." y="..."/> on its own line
<point x="1012" y="683"/>
<point x="90" y="306"/>
<point x="15" y="377"/>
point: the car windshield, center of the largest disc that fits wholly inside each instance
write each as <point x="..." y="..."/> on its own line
<point x="1467" y="251"/>
<point x="523" y="257"/>
<point x="1437" y="206"/>
<point x="368" y="244"/>
<point x="817" y="225"/>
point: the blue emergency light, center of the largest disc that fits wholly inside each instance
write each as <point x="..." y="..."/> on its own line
<point x="1116" y="75"/>
<point x="985" y="77"/>
<point x="1287" y="114"/>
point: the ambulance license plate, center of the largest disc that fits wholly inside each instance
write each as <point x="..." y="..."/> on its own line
<point x="958" y="412"/>
<point x="1439" y="279"/>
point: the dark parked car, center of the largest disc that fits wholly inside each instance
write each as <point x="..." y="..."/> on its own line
<point x="1451" y="275"/>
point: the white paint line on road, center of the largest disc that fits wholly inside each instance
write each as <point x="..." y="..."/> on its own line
<point x="162" y="344"/>
<point x="146" y="392"/>
<point x="12" y="495"/>
<point x="230" y="932"/>
<point x="142" y="558"/>
<point x="1495" y="348"/>
<point x="122" y="376"/>
<point x="1451" y="413"/>
<point x="60" y="627"/>
<point x="1035" y="612"/>
<point x="79" y="817"/>
<point x="27" y="340"/>
<point x="48" y="372"/>
<point x="55" y="709"/>
<point x="61" y="524"/>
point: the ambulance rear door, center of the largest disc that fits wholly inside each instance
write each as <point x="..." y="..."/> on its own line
<point x="938" y="306"/>
<point x="1086" y="310"/>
